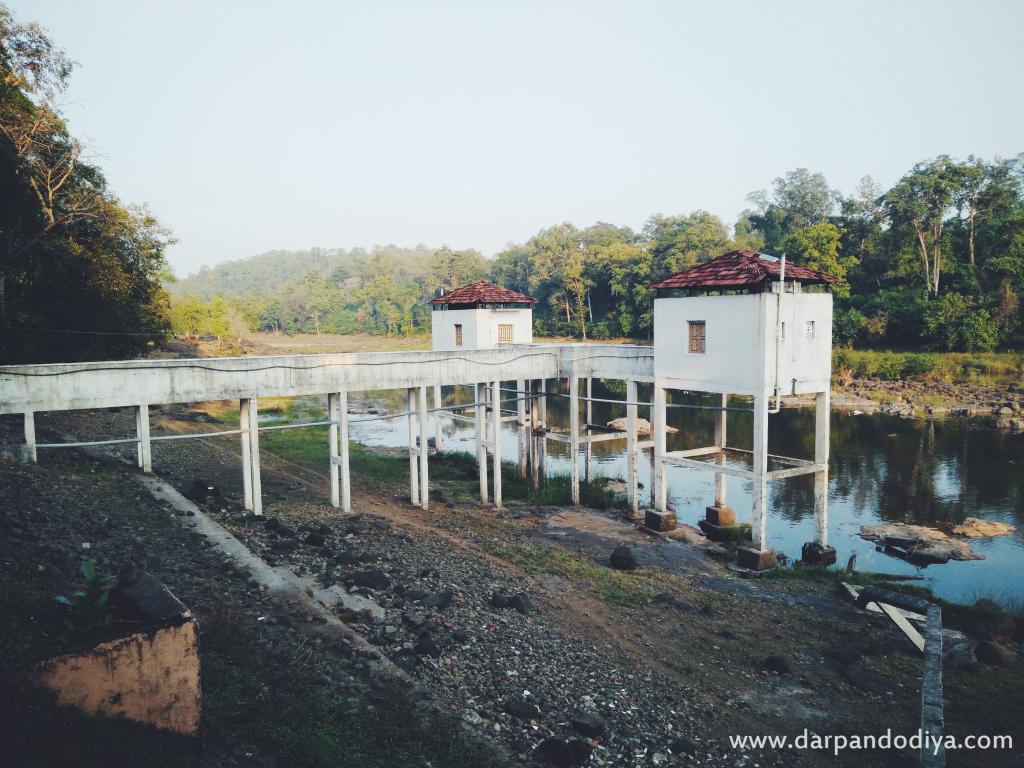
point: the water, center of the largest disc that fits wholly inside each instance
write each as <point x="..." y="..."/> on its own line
<point x="882" y="469"/>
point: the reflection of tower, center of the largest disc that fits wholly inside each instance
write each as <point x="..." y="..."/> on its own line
<point x="746" y="324"/>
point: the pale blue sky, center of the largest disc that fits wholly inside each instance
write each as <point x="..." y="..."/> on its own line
<point x="248" y="126"/>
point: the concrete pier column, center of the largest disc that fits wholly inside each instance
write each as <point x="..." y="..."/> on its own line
<point x="481" y="433"/>
<point x="243" y="424"/>
<point x="424" y="452"/>
<point x="534" y="437"/>
<point x="759" y="531"/>
<point x="337" y="412"/>
<point x="438" y="422"/>
<point x="588" y="449"/>
<point x="631" y="451"/>
<point x="414" y="470"/>
<point x="659" y="411"/>
<point x="524" y="446"/>
<point x="821" y="449"/>
<point x="145" y="447"/>
<point x="496" y="451"/>
<point x="574" y="437"/>
<point x="248" y="417"/>
<point x="31" y="455"/>
<point x="720" y="442"/>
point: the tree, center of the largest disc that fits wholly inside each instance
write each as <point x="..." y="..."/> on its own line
<point x="955" y="323"/>
<point x="921" y="201"/>
<point x="819" y="247"/>
<point x="678" y="242"/>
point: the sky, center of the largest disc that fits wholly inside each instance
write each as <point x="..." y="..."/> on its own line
<point x="252" y="126"/>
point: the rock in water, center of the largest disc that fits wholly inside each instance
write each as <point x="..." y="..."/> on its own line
<point x="643" y="426"/>
<point x="976" y="528"/>
<point x="622" y="559"/>
<point x="918" y="543"/>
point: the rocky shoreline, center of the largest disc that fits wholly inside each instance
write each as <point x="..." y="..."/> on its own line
<point x="927" y="398"/>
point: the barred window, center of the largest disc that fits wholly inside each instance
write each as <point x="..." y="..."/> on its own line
<point x="505" y="333"/>
<point x="458" y="334"/>
<point x="696" y="336"/>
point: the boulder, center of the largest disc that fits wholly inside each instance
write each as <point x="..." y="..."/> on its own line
<point x="373" y="578"/>
<point x="918" y="543"/>
<point x="622" y="559"/>
<point x="427" y="646"/>
<point x="960" y="658"/>
<point x="643" y="426"/>
<point x="588" y="723"/>
<point x="520" y="601"/>
<point x="994" y="655"/>
<point x="524" y="710"/>
<point x="556" y="752"/>
<point x="439" y="600"/>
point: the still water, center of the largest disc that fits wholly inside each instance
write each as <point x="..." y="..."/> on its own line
<point x="883" y="469"/>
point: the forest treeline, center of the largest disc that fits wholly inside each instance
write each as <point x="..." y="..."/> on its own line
<point x="936" y="261"/>
<point x="80" y="271"/>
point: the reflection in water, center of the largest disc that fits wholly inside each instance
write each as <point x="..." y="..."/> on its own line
<point x="883" y="469"/>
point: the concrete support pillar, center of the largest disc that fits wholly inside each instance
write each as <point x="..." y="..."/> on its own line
<point x="31" y="454"/>
<point x="337" y="412"/>
<point x="534" y="437"/>
<point x="438" y="422"/>
<point x="524" y="445"/>
<point x="821" y="449"/>
<point x="632" y="489"/>
<point x="574" y="437"/>
<point x="424" y="451"/>
<point x="720" y="442"/>
<point x="248" y="416"/>
<point x="659" y="411"/>
<point x="760" y="518"/>
<point x="588" y="450"/>
<point x="145" y="447"/>
<point x="481" y="435"/>
<point x="243" y="424"/>
<point x="496" y="451"/>
<point x="542" y="444"/>
<point x="414" y="468"/>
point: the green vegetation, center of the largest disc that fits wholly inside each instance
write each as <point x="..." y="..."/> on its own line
<point x="980" y="367"/>
<point x="627" y="588"/>
<point x="89" y="609"/>
<point x="74" y="260"/>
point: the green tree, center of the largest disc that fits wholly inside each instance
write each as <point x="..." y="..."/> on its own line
<point x="819" y="246"/>
<point x="954" y="323"/>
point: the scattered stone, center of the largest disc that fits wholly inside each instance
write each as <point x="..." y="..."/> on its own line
<point x="524" y="710"/>
<point x="427" y="646"/>
<point x="622" y="559"/>
<point x="439" y="600"/>
<point x="557" y="752"/>
<point x="588" y="723"/>
<point x="276" y="526"/>
<point x="777" y="664"/>
<point x="374" y="578"/>
<point x="683" y="746"/>
<point x="994" y="655"/>
<point x="520" y="601"/>
<point x="316" y="539"/>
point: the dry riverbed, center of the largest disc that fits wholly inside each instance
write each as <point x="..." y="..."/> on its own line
<point x="511" y="619"/>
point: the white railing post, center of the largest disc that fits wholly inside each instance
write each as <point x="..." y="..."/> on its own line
<point x="145" y="448"/>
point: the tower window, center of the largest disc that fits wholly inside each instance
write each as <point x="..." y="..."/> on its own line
<point x="809" y="330"/>
<point x="505" y="333"/>
<point x="458" y="334"/>
<point x="697" y="340"/>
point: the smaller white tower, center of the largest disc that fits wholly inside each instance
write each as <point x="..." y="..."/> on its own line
<point x="481" y="315"/>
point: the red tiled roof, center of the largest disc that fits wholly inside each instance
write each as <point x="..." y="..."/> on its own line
<point x="741" y="269"/>
<point x="483" y="292"/>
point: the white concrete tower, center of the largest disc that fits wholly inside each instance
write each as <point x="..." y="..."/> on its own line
<point x="481" y="315"/>
<point x="750" y="324"/>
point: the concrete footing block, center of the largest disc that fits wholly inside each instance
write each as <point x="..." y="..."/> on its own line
<point x="756" y="559"/>
<point x="720" y="515"/>
<point x="660" y="521"/>
<point x="726" y="533"/>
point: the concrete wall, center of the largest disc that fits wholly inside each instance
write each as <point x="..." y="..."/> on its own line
<point x="740" y="332"/>
<point x="479" y="327"/>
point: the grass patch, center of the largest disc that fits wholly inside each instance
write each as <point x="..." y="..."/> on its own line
<point x="985" y="368"/>
<point x="626" y="588"/>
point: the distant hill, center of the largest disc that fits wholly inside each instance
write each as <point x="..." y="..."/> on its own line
<point x="264" y="273"/>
